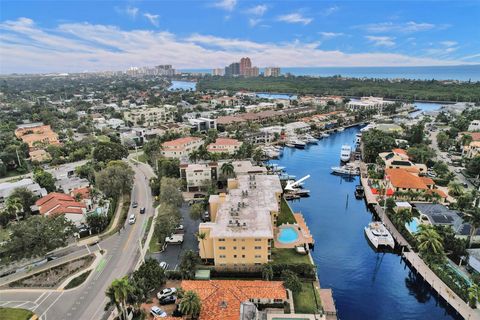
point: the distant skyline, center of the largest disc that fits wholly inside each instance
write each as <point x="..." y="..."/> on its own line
<point x="77" y="36"/>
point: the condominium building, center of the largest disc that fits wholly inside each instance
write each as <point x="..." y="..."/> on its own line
<point x="233" y="69"/>
<point x="148" y="117"/>
<point x="240" y="233"/>
<point x="203" y="124"/>
<point x="272" y="72"/>
<point x="218" y="72"/>
<point x="368" y="103"/>
<point x="224" y="145"/>
<point x="252" y="72"/>
<point x="36" y="135"/>
<point x="180" y="148"/>
<point x="245" y="65"/>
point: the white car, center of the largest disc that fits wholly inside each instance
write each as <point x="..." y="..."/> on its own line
<point x="132" y="219"/>
<point x="166" y="292"/>
<point x="164" y="265"/>
<point x="157" y="312"/>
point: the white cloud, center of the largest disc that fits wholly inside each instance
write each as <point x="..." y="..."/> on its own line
<point x="253" y="22"/>
<point x="449" y="43"/>
<point x="258" y="10"/>
<point x="76" y="47"/>
<point x="227" y="5"/>
<point x="295" y="18"/>
<point x="132" y="12"/>
<point x="405" y="27"/>
<point x="330" y="11"/>
<point x="153" y="18"/>
<point x="381" y="41"/>
<point x="330" y="35"/>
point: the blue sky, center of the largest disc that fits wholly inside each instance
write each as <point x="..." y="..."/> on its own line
<point x="69" y="36"/>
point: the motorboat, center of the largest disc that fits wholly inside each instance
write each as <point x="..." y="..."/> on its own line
<point x="340" y="129"/>
<point x="299" y="144"/>
<point x="346" y="170"/>
<point x="378" y="235"/>
<point x="325" y="135"/>
<point x="310" y="139"/>
<point x="359" y="192"/>
<point x="345" y="153"/>
<point x="290" y="144"/>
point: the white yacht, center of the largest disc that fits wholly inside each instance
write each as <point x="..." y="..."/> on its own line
<point x="345" y="153"/>
<point x="378" y="235"/>
<point x="299" y="144"/>
<point x="346" y="170"/>
<point x="340" y="129"/>
<point x="310" y="139"/>
<point x="325" y="135"/>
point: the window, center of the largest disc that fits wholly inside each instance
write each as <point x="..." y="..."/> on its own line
<point x="257" y="256"/>
<point x="243" y="256"/>
<point x="221" y="248"/>
<point x="234" y="248"/>
<point x="221" y="240"/>
<point x="234" y="255"/>
<point x="235" y="240"/>
<point x="222" y="256"/>
<point x="257" y="240"/>
<point x="243" y="248"/>
<point x="258" y="248"/>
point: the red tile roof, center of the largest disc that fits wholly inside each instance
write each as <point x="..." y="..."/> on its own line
<point x="221" y="299"/>
<point x="400" y="151"/>
<point x="58" y="203"/>
<point x="84" y="192"/>
<point x="401" y="178"/>
<point x="180" y="141"/>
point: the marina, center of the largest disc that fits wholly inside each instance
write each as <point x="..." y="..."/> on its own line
<point x="345" y="259"/>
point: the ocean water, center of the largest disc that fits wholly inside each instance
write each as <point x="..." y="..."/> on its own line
<point x="183" y="85"/>
<point x="461" y="73"/>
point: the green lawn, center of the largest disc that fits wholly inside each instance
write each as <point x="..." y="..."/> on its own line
<point x="289" y="256"/>
<point x="304" y="301"/>
<point x="154" y="246"/>
<point x="286" y="214"/>
<point x="78" y="280"/>
<point x="15" y="314"/>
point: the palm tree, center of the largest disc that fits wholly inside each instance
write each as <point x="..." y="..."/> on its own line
<point x="13" y="206"/>
<point x="267" y="272"/>
<point x="202" y="236"/>
<point x="118" y="293"/>
<point x="227" y="169"/>
<point x="191" y="304"/>
<point x="473" y="217"/>
<point x="473" y="295"/>
<point x="429" y="242"/>
<point x="403" y="216"/>
<point x="455" y="189"/>
<point x="194" y="156"/>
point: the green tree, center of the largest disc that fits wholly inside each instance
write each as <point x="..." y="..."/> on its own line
<point x="191" y="304"/>
<point x="37" y="235"/>
<point x="115" y="179"/>
<point x="196" y="211"/>
<point x="429" y="243"/>
<point x="444" y="141"/>
<point x="44" y="179"/>
<point x="291" y="281"/>
<point x="118" y="293"/>
<point x="473" y="166"/>
<point x="267" y="272"/>
<point x="13" y="206"/>
<point x="170" y="191"/>
<point x="473" y="295"/>
<point x="440" y="168"/>
<point x="473" y="218"/>
<point x="421" y="153"/>
<point x="402" y="216"/>
<point x="202" y="236"/>
<point x="109" y="151"/>
<point x="455" y="189"/>
<point x="188" y="264"/>
<point x="26" y="197"/>
<point x="375" y="142"/>
<point x="149" y="277"/>
<point x="97" y="222"/>
<point x="227" y="169"/>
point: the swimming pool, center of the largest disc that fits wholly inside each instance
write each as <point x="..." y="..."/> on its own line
<point x="288" y="235"/>
<point x="412" y="227"/>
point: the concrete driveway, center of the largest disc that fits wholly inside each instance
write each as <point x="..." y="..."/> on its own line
<point x="173" y="252"/>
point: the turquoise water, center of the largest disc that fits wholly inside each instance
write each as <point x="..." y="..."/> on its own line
<point x="183" y="85"/>
<point x="462" y="73"/>
<point x="288" y="235"/>
<point x="274" y="96"/>
<point x="412" y="226"/>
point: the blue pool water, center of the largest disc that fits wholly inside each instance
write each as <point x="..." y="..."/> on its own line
<point x="366" y="284"/>
<point x="288" y="235"/>
<point x="412" y="226"/>
<point x="183" y="85"/>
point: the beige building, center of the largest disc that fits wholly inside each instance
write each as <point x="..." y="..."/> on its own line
<point x="224" y="145"/>
<point x="180" y="148"/>
<point x="37" y="135"/>
<point x="148" y="117"/>
<point x="399" y="159"/>
<point x="240" y="234"/>
<point x="272" y="72"/>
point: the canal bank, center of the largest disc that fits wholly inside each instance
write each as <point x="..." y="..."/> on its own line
<point x="366" y="284"/>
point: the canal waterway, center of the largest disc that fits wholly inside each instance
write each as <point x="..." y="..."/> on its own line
<point x="366" y="284"/>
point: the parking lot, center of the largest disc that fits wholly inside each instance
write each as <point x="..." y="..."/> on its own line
<point x="173" y="252"/>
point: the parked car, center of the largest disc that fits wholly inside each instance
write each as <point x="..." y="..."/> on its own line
<point x="174" y="239"/>
<point x="180" y="227"/>
<point x="168" y="300"/>
<point x="166" y="292"/>
<point x="164" y="265"/>
<point x="132" y="219"/>
<point x="142" y="210"/>
<point x="157" y="312"/>
<point x="134" y="204"/>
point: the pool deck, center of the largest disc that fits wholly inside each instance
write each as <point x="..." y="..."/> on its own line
<point x="304" y="235"/>
<point x="305" y="230"/>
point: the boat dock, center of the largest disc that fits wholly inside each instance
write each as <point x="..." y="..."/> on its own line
<point x="369" y="196"/>
<point x="399" y="239"/>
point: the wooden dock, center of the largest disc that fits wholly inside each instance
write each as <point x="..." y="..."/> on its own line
<point x="399" y="239"/>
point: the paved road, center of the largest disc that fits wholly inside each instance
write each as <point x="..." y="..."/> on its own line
<point x="441" y="155"/>
<point x="87" y="301"/>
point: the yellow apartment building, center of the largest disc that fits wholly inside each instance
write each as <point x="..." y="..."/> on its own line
<point x="240" y="233"/>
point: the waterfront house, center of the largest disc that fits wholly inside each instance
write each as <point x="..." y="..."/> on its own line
<point x="181" y="147"/>
<point x="240" y="233"/>
<point x="399" y="159"/>
<point x="237" y="299"/>
<point x="224" y="145"/>
<point x="406" y="183"/>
